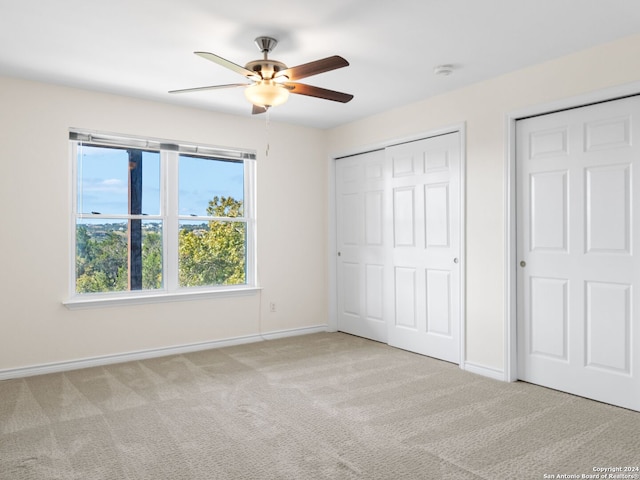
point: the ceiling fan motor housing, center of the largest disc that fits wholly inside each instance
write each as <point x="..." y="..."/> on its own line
<point x="266" y="68"/>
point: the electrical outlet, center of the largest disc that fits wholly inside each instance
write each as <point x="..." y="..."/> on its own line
<point x="272" y="307"/>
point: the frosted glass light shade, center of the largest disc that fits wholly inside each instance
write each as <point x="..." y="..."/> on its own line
<point x="266" y="94"/>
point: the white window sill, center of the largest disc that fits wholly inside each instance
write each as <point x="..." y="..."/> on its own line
<point x="145" y="298"/>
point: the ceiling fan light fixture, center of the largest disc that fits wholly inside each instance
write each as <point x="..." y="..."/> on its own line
<point x="266" y="94"/>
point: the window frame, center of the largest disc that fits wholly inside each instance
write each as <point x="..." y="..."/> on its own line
<point x="170" y="217"/>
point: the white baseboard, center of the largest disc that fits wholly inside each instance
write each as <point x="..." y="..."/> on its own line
<point x="153" y="353"/>
<point x="294" y="332"/>
<point x="485" y="371"/>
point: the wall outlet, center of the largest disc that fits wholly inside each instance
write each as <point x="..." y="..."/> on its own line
<point x="272" y="307"/>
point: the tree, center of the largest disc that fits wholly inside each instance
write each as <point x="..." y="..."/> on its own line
<point x="101" y="264"/>
<point x="215" y="254"/>
<point x="151" y="260"/>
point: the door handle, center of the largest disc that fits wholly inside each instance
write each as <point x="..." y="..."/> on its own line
<point x="455" y="260"/>
<point x="523" y="263"/>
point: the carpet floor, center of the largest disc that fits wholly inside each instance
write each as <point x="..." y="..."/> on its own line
<point x="321" y="406"/>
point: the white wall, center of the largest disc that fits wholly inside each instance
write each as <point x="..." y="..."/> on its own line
<point x="36" y="329"/>
<point x="484" y="108"/>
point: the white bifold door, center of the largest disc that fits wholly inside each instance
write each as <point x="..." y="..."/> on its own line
<point x="362" y="237"/>
<point x="398" y="239"/>
<point x="578" y="242"/>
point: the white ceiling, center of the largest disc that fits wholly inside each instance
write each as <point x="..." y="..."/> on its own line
<point x="143" y="48"/>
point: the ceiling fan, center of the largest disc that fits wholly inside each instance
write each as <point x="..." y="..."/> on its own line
<point x="271" y="81"/>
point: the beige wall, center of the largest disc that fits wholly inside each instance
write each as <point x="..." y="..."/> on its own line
<point x="484" y="108"/>
<point x="36" y="329"/>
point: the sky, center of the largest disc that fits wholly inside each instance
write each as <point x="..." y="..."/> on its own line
<point x="103" y="182"/>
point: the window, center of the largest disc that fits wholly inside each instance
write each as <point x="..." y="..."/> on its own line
<point x="154" y="218"/>
<point x="213" y="232"/>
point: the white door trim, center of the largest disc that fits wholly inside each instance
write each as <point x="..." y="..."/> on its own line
<point x="510" y="307"/>
<point x="332" y="221"/>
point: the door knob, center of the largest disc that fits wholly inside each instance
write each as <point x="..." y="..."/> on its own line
<point x="523" y="263"/>
<point x="455" y="260"/>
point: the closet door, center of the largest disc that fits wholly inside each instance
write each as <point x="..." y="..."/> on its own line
<point x="423" y="284"/>
<point x="361" y="241"/>
<point x="577" y="244"/>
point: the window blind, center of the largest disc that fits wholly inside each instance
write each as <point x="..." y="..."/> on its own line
<point x="157" y="145"/>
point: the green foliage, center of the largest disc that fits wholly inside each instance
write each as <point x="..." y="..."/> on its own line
<point x="151" y="260"/>
<point x="211" y="254"/>
<point x="214" y="255"/>
<point x="102" y="261"/>
<point x="225" y="207"/>
<point x="101" y="265"/>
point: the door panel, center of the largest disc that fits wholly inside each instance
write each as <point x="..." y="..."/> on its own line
<point x="437" y="215"/>
<point x="405" y="298"/>
<point x="608" y="325"/>
<point x="351" y="288"/>
<point x="577" y="247"/>
<point x="425" y="252"/>
<point x="608" y="209"/>
<point x="373" y="218"/>
<point x="549" y="322"/>
<point x="549" y="211"/>
<point x="374" y="280"/>
<point x="438" y="287"/>
<point x="361" y="236"/>
<point x="404" y="230"/>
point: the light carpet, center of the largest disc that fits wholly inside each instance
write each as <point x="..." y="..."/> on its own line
<point x="321" y="406"/>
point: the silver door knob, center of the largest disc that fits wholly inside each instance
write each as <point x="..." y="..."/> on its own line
<point x="523" y="263"/>
<point x="455" y="260"/>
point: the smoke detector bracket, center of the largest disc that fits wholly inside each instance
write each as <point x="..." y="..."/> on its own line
<point x="443" y="70"/>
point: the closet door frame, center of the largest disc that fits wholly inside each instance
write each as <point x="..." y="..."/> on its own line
<point x="332" y="221"/>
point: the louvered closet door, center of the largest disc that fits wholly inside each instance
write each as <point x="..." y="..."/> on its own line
<point x="361" y="239"/>
<point x="423" y="287"/>
<point x="577" y="251"/>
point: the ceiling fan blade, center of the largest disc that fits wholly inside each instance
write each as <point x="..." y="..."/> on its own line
<point x="211" y="87"/>
<point x="230" y="65"/>
<point x="311" y="91"/>
<point x="258" y="109"/>
<point x="313" y="68"/>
